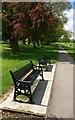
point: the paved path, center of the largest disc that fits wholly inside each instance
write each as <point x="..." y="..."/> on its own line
<point x="61" y="103"/>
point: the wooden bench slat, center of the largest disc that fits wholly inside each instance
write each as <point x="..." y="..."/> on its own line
<point x="22" y="71"/>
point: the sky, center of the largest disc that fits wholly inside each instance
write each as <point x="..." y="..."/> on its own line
<point x="71" y="18"/>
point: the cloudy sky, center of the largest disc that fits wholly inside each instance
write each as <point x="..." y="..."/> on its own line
<point x="70" y="14"/>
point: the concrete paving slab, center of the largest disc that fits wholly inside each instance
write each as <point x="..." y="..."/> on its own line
<point x="40" y="97"/>
<point x="48" y="76"/>
<point x="25" y="108"/>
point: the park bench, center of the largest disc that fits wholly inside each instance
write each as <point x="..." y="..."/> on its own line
<point x="43" y="61"/>
<point x="24" y="78"/>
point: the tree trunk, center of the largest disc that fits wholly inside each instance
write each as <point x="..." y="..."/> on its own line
<point x="10" y="42"/>
<point x="38" y="43"/>
<point x="24" y="41"/>
<point x="34" y="44"/>
<point x="14" y="45"/>
<point x="33" y="40"/>
<point x="29" y="41"/>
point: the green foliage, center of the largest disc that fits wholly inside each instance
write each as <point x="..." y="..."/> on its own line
<point x="65" y="40"/>
<point x="33" y="20"/>
<point x="65" y="36"/>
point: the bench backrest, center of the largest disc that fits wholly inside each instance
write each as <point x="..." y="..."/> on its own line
<point x="21" y="72"/>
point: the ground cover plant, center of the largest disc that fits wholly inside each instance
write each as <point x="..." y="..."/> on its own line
<point x="70" y="48"/>
<point x="12" y="61"/>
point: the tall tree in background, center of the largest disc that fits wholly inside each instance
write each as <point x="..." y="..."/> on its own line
<point x="30" y="20"/>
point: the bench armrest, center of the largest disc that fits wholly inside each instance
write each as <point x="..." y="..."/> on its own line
<point x="37" y="66"/>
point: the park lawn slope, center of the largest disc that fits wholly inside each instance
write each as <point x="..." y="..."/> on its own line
<point x="13" y="62"/>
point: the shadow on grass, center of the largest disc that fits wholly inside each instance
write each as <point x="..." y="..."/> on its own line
<point x="28" y="52"/>
<point x="68" y="47"/>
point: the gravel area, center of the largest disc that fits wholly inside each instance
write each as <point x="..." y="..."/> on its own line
<point x="14" y="115"/>
<point x="6" y="115"/>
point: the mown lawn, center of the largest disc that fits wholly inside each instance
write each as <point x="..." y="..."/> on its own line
<point x="22" y="57"/>
<point x="70" y="48"/>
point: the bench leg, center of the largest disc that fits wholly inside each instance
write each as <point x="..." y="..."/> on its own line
<point x="46" y="66"/>
<point x="15" y="94"/>
<point x="41" y="74"/>
<point x="30" y="96"/>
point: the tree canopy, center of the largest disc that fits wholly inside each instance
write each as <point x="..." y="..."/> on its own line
<point x="32" y="20"/>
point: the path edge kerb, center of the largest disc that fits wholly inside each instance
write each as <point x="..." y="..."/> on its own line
<point x="52" y="87"/>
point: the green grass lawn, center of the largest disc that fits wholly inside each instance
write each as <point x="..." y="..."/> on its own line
<point x="70" y="48"/>
<point x="22" y="57"/>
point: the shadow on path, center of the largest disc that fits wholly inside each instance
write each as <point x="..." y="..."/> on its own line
<point x="39" y="92"/>
<point x="65" y="57"/>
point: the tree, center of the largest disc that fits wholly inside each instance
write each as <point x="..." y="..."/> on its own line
<point x="31" y="20"/>
<point x="66" y="36"/>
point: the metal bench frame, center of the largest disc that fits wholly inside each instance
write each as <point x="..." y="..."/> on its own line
<point x="23" y="87"/>
<point x="43" y="61"/>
